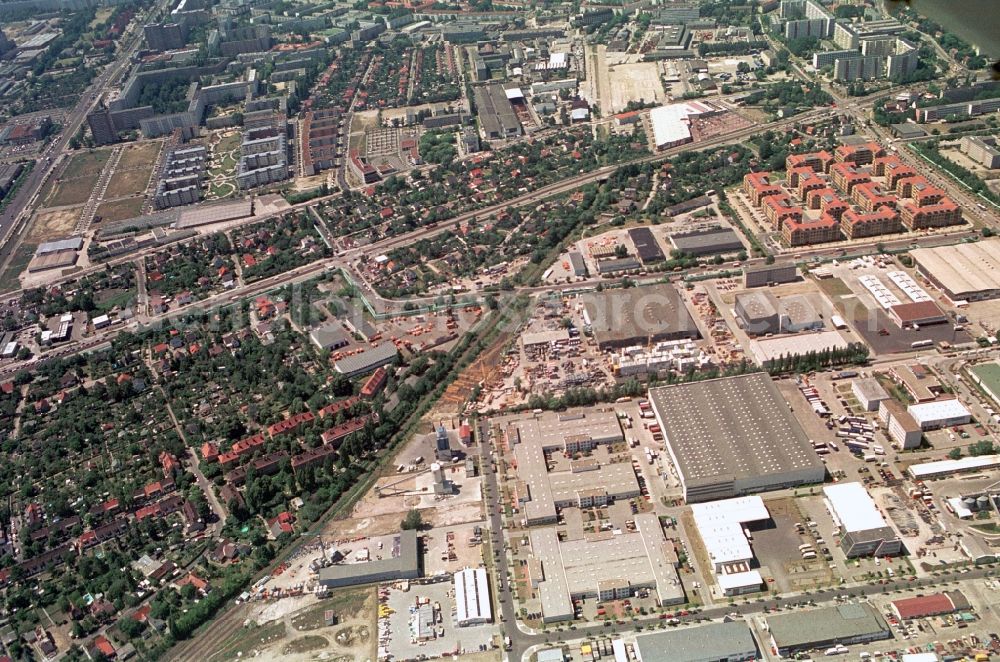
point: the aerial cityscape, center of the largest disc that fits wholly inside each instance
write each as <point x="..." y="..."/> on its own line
<point x="499" y="330"/>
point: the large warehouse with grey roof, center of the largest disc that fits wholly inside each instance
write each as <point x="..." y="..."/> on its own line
<point x="733" y="436"/>
<point x="965" y="272"/>
<point x="605" y="565"/>
<point x="705" y="643"/>
<point x="542" y="492"/>
<point x="846" y="624"/>
<point x="637" y="316"/>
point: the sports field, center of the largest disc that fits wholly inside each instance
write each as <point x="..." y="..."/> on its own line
<point x="988" y="376"/>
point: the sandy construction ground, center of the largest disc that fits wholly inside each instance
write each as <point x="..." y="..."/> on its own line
<point x="53" y="224"/>
<point x="638" y="81"/>
<point x="294" y="630"/>
<point x="614" y="79"/>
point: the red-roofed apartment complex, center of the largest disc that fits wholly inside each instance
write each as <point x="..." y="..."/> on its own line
<point x="816" y="161"/>
<point x="893" y="169"/>
<point x="870" y="224"/>
<point x="938" y="215"/>
<point x="800" y="232"/>
<point x="870" y="196"/>
<point x="827" y="201"/>
<point x="795" y="174"/>
<point x="845" y="177"/>
<point x="779" y="208"/>
<point x="840" y="188"/>
<point x="858" y="154"/>
<point x="923" y="192"/>
<point x="757" y="185"/>
<point x="812" y="182"/>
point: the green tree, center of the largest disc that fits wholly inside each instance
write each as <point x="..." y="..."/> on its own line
<point x="130" y="627"/>
<point x="982" y="447"/>
<point x="413" y="521"/>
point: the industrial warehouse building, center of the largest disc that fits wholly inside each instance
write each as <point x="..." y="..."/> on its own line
<point x="828" y="626"/>
<point x="863" y="530"/>
<point x="935" y="604"/>
<point x="902" y="428"/>
<point x="917" y="314"/>
<point x="939" y="414"/>
<point x="722" y="526"/>
<point x="770" y="349"/>
<point x="707" y="241"/>
<point x="637" y="316"/>
<point x="367" y="360"/>
<point x="758" y="312"/>
<point x="496" y="114"/>
<point x="940" y="468"/>
<point x="762" y="313"/>
<point x="769" y="274"/>
<point x="918" y="381"/>
<point x="732" y="642"/>
<point x="330" y="336"/>
<point x="733" y="436"/>
<point x="672" y="123"/>
<point x="606" y="566"/>
<point x="646" y="246"/>
<point x="472" y="597"/>
<point x="588" y="483"/>
<point x="403" y="562"/>
<point x="965" y="272"/>
<point x="869" y="393"/>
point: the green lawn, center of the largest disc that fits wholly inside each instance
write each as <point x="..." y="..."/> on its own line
<point x="834" y="287"/>
<point x="8" y="280"/>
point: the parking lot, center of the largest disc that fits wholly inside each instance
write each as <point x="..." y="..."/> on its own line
<point x="777" y="549"/>
<point x="856" y="305"/>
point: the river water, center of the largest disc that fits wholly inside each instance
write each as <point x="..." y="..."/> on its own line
<point x="975" y="21"/>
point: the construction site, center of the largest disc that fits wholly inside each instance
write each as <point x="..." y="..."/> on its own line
<point x="487" y="373"/>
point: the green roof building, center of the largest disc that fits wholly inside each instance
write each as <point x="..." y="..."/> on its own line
<point x="732" y="642"/>
<point x="829" y="626"/>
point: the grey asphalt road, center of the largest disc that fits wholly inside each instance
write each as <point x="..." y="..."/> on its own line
<point x="522" y="641"/>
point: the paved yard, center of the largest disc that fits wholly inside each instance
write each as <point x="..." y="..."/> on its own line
<point x="455" y="640"/>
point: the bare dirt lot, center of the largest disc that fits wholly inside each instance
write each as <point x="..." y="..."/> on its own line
<point x="295" y="630"/>
<point x="49" y="225"/>
<point x="119" y="210"/>
<point x="132" y="173"/>
<point x="639" y="81"/>
<point x="78" y="179"/>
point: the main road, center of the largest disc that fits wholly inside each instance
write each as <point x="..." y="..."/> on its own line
<point x="522" y="642"/>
